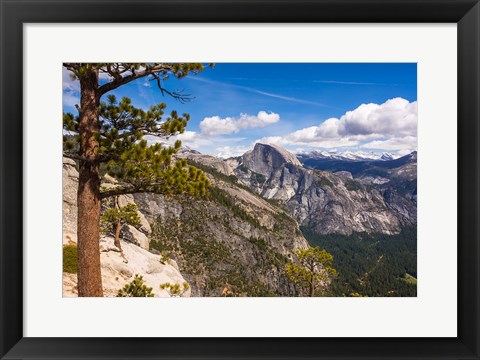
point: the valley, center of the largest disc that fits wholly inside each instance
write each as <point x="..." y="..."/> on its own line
<point x="263" y="207"/>
<point x="239" y="179"/>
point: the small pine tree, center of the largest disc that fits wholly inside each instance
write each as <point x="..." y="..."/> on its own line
<point x="136" y="288"/>
<point x="314" y="272"/>
<point x="114" y="218"/>
<point x="175" y="290"/>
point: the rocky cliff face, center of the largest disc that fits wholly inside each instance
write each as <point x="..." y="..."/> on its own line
<point x="264" y="159"/>
<point x="117" y="269"/>
<point x="231" y="243"/>
<point x="387" y="173"/>
<point x="323" y="201"/>
<point x="70" y="186"/>
<point x="236" y="241"/>
<point x="210" y="161"/>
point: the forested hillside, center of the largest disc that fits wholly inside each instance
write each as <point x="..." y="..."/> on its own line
<point x="371" y="264"/>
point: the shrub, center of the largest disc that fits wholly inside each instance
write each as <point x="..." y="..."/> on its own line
<point x="164" y="258"/>
<point x="136" y="288"/>
<point x="353" y="185"/>
<point x="70" y="264"/>
<point x="325" y="182"/>
<point x="224" y="198"/>
<point x="174" y="289"/>
<point x="260" y="243"/>
<point x="258" y="178"/>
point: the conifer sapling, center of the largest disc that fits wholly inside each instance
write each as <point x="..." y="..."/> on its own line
<point x="114" y="218"/>
<point x="314" y="272"/>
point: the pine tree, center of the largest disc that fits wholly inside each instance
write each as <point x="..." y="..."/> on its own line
<point x="175" y="290"/>
<point x="136" y="288"/>
<point x="314" y="271"/>
<point x="112" y="134"/>
<point x="114" y="218"/>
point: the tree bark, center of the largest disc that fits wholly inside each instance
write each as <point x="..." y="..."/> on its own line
<point x="118" y="226"/>
<point x="312" y="287"/>
<point x="312" y="284"/>
<point x="88" y="225"/>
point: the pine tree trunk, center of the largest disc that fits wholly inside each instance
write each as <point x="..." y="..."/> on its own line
<point x="312" y="287"/>
<point x="88" y="196"/>
<point x="118" y="226"/>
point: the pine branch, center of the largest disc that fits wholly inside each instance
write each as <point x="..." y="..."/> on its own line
<point x="72" y="66"/>
<point x="183" y="98"/>
<point x="149" y="70"/>
<point x="119" y="80"/>
<point x="76" y="157"/>
<point x="124" y="191"/>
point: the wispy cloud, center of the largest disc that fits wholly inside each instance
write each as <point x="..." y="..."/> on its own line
<point x="239" y="79"/>
<point x="258" y="91"/>
<point x="344" y="82"/>
<point x="283" y="97"/>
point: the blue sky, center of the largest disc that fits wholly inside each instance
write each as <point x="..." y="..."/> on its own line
<point x="328" y="107"/>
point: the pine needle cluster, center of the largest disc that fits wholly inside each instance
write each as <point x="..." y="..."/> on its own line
<point x="127" y="214"/>
<point x="128" y="157"/>
<point x="136" y="288"/>
<point x="314" y="271"/>
<point x="175" y="290"/>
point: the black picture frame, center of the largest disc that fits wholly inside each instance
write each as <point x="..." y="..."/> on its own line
<point x="466" y="13"/>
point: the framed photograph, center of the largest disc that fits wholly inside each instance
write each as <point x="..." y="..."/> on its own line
<point x="260" y="180"/>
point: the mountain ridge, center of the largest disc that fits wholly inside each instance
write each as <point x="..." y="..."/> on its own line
<point x="238" y="240"/>
<point x="322" y="200"/>
<point x="348" y="155"/>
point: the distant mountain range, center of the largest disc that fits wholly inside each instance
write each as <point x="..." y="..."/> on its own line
<point x="260" y="208"/>
<point x="347" y="155"/>
<point x="329" y="195"/>
<point x="269" y="202"/>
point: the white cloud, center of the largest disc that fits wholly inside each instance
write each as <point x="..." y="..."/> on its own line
<point x="405" y="152"/>
<point x="216" y="125"/>
<point x="293" y="140"/>
<point x="407" y="143"/>
<point x="71" y="89"/>
<point x="68" y="83"/>
<point x="104" y="76"/>
<point x="389" y="126"/>
<point x="393" y="117"/>
<point x="231" y="151"/>
<point x="70" y="99"/>
<point x="207" y="144"/>
<point x="192" y="139"/>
